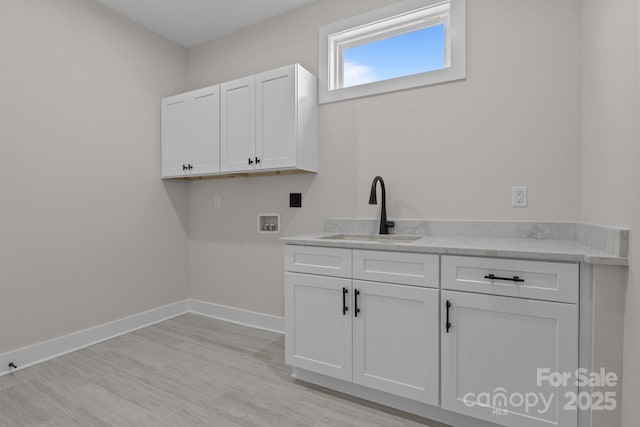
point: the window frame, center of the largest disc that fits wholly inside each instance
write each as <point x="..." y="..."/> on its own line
<point x="399" y="18"/>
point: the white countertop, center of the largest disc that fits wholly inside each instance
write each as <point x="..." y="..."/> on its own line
<point x="521" y="248"/>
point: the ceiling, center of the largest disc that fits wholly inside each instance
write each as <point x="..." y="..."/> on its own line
<point x="191" y="22"/>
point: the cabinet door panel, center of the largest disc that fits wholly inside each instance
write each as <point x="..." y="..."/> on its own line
<point x="495" y="347"/>
<point x="237" y="125"/>
<point x="204" y="142"/>
<point x="276" y="118"/>
<point x="318" y="331"/>
<point x="175" y="136"/>
<point x="396" y="340"/>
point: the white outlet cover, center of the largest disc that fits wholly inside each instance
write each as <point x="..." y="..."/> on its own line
<point x="519" y="197"/>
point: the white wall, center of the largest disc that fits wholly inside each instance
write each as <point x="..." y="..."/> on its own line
<point x="88" y="232"/>
<point x="448" y="151"/>
<point x="611" y="152"/>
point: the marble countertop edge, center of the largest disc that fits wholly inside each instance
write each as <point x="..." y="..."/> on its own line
<point x="517" y="248"/>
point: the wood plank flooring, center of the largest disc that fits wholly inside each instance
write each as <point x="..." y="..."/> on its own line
<point x="187" y="371"/>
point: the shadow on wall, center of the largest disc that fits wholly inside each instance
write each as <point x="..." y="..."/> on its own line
<point x="241" y="199"/>
<point x="177" y="191"/>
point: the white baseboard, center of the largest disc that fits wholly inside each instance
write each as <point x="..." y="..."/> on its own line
<point x="238" y="315"/>
<point x="41" y="352"/>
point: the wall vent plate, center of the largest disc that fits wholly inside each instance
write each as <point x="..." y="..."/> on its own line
<point x="269" y="223"/>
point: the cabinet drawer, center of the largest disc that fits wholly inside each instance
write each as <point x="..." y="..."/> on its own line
<point x="396" y="267"/>
<point x="318" y="260"/>
<point x="551" y="281"/>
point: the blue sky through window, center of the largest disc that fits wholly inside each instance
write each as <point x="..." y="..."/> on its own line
<point x="414" y="52"/>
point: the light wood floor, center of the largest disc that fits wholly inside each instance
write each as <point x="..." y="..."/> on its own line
<point x="187" y="371"/>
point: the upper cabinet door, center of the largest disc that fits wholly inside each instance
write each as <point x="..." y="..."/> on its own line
<point x="237" y="111"/>
<point x="276" y="125"/>
<point x="175" y="136"/>
<point x="204" y="141"/>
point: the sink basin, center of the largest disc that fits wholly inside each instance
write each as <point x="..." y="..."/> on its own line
<point x="378" y="238"/>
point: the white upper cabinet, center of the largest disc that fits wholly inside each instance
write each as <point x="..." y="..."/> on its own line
<point x="190" y="133"/>
<point x="269" y="122"/>
<point x="175" y="134"/>
<point x="204" y="140"/>
<point x="261" y="123"/>
<point x="238" y="122"/>
<point x="276" y="142"/>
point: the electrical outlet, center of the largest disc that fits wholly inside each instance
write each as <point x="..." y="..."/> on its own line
<point x="217" y="202"/>
<point x="519" y="197"/>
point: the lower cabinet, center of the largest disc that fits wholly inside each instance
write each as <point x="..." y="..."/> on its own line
<point x="492" y="350"/>
<point x="487" y="338"/>
<point x="318" y="324"/>
<point x="395" y="340"/>
<point x="379" y="335"/>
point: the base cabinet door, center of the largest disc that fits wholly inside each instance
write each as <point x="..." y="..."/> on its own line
<point x="492" y="350"/>
<point x="318" y="324"/>
<point x="395" y="343"/>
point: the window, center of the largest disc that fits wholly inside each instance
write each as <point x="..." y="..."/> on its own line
<point x="409" y="44"/>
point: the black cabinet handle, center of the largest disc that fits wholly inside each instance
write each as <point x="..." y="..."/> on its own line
<point x="356" y="310"/>
<point x="510" y="279"/>
<point x="184" y="167"/>
<point x="345" y="291"/>
<point x="190" y="166"/>
<point x="448" y="322"/>
<point x="257" y="160"/>
<point x="250" y="161"/>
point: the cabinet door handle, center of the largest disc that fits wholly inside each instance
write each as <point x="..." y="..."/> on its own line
<point x="250" y="161"/>
<point x="257" y="160"/>
<point x="356" y="310"/>
<point x="190" y="166"/>
<point x="448" y="322"/>
<point x="510" y="279"/>
<point x="184" y="167"/>
<point x="345" y="291"/>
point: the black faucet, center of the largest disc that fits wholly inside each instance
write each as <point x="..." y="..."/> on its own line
<point x="384" y="224"/>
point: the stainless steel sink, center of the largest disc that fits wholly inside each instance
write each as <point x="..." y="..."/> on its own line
<point x="377" y="238"/>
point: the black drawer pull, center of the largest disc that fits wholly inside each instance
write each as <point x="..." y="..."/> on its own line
<point x="510" y="279"/>
<point x="448" y="322"/>
<point x="345" y="291"/>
